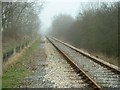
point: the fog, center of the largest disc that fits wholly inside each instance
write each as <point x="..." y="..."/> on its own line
<point x="75" y="21"/>
<point x="91" y="26"/>
<point x="88" y="25"/>
<point x="53" y="8"/>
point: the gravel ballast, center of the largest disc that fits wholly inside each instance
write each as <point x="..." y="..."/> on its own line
<point x="52" y="71"/>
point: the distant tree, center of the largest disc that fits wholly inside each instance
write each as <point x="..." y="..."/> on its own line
<point x="95" y="28"/>
<point x="61" y="24"/>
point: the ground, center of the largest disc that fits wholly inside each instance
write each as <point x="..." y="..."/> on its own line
<point x="52" y="71"/>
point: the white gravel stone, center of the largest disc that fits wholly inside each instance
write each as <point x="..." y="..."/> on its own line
<point x="56" y="71"/>
<point x="102" y="75"/>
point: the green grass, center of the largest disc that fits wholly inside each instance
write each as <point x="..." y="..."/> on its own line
<point x="12" y="75"/>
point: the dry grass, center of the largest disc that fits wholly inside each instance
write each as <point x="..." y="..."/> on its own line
<point x="17" y="67"/>
<point x="110" y="59"/>
<point x="12" y="60"/>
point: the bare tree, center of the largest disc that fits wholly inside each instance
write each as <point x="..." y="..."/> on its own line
<point x="20" y="19"/>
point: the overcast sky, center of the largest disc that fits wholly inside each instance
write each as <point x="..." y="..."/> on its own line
<point x="52" y="9"/>
<point x="56" y="7"/>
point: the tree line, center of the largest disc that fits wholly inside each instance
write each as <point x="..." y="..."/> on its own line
<point x="20" y="22"/>
<point x="95" y="28"/>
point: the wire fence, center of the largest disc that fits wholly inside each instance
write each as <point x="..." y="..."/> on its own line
<point x="13" y="51"/>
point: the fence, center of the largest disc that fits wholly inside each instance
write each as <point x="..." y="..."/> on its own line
<point x="15" y="50"/>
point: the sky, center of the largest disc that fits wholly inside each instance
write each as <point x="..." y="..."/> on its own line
<point x="53" y="8"/>
<point x="56" y="7"/>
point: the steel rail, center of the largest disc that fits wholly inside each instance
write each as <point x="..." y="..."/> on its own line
<point x="78" y="69"/>
<point x="100" y="61"/>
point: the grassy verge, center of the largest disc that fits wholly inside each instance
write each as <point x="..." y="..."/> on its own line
<point x="14" y="73"/>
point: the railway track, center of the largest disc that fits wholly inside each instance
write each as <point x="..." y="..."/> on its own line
<point x="98" y="73"/>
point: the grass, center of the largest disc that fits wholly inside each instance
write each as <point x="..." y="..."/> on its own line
<point x="111" y="59"/>
<point x="14" y="73"/>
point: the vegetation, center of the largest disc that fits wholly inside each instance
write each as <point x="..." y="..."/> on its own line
<point x="95" y="29"/>
<point x="61" y="24"/>
<point x="20" y="22"/>
<point x="13" y="74"/>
